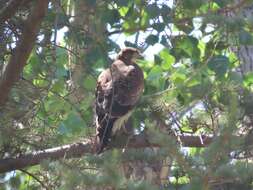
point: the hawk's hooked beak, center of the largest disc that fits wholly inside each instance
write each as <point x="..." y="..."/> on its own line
<point x="141" y="56"/>
<point x="138" y="57"/>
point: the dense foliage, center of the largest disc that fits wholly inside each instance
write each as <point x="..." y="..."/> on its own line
<point x="195" y="85"/>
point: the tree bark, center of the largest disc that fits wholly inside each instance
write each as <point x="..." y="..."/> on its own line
<point x="244" y="52"/>
<point x="23" y="49"/>
<point x="77" y="68"/>
<point x="79" y="149"/>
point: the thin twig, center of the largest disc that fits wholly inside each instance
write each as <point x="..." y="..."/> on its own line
<point x="36" y="178"/>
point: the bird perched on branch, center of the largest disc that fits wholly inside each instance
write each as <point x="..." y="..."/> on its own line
<point x="118" y="91"/>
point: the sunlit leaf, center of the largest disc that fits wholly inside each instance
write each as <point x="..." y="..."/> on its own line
<point x="123" y="10"/>
<point x="248" y="79"/>
<point x="144" y="19"/>
<point x="168" y="59"/>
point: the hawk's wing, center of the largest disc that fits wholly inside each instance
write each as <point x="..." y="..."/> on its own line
<point x="119" y="88"/>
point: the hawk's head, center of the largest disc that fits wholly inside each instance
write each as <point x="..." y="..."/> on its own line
<point x="129" y="55"/>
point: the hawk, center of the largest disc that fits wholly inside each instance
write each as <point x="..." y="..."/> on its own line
<point x="118" y="91"/>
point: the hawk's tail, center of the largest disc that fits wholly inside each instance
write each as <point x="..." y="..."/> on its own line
<point x="104" y="130"/>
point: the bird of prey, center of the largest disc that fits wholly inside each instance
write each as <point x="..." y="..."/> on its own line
<point x="118" y="91"/>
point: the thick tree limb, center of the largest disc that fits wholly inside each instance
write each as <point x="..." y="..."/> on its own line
<point x="23" y="49"/>
<point x="65" y="151"/>
<point x="79" y="149"/>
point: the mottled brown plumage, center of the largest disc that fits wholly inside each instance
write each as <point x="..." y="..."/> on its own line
<point x="118" y="90"/>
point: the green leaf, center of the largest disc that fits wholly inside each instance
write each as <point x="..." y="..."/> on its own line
<point x="152" y="39"/>
<point x="61" y="62"/>
<point x="130" y="44"/>
<point x="248" y="79"/>
<point x="158" y="60"/>
<point x="15" y="182"/>
<point x="111" y="16"/>
<point x="164" y="41"/>
<point x="40" y="82"/>
<point x="128" y="27"/>
<point x="178" y="77"/>
<point x="222" y="3"/>
<point x="89" y="83"/>
<point x="62" y="57"/>
<point x="144" y="19"/>
<point x="72" y="124"/>
<point x="58" y="86"/>
<point x="33" y="67"/>
<point x="187" y="28"/>
<point x="166" y="13"/>
<point x="219" y="64"/>
<point x="131" y="12"/>
<point x="155" y="73"/>
<point x="199" y="90"/>
<point x="193" y="82"/>
<point x="123" y="2"/>
<point x="54" y="104"/>
<point x="63" y="20"/>
<point x="168" y="59"/>
<point x="123" y="10"/>
<point x="192" y="4"/>
<point x="158" y="26"/>
<point x="185" y="46"/>
<point x="153" y="10"/>
<point x="87" y="102"/>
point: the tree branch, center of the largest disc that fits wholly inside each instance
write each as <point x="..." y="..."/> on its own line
<point x="35" y="178"/>
<point x="23" y="49"/>
<point x="79" y="149"/>
<point x="34" y="158"/>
